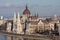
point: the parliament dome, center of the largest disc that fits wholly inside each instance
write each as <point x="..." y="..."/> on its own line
<point x="26" y="11"/>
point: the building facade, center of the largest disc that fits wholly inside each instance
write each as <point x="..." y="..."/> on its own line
<point x="31" y="24"/>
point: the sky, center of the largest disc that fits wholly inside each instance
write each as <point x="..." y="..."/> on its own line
<point x="42" y="7"/>
<point x="29" y="2"/>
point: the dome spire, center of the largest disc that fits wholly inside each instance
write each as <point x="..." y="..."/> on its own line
<point x="26" y="11"/>
<point x="26" y="6"/>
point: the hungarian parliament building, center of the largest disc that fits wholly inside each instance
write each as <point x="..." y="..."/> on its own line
<point x="27" y="24"/>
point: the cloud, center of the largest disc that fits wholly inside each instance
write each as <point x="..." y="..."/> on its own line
<point x="8" y="4"/>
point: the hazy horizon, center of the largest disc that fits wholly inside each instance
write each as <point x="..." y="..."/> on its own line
<point x="42" y="7"/>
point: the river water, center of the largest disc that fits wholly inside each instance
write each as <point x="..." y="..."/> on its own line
<point x="3" y="37"/>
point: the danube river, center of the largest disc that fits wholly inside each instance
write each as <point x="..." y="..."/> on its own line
<point x="3" y="37"/>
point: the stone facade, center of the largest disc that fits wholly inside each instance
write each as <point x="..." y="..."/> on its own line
<point x="33" y="23"/>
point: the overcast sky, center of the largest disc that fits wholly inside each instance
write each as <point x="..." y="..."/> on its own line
<point x="42" y="7"/>
<point x="29" y="2"/>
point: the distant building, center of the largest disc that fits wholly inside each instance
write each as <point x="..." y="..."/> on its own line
<point x="1" y="20"/>
<point x="30" y="24"/>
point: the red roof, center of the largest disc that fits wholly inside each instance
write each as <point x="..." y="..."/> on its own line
<point x="26" y="11"/>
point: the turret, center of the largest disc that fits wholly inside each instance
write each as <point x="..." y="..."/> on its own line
<point x="26" y="12"/>
<point x="14" y="23"/>
<point x="19" y="26"/>
<point x="55" y="17"/>
<point x="14" y="19"/>
<point x="1" y="17"/>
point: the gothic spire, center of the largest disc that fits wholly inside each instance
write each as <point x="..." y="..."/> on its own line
<point x="26" y="6"/>
<point x="37" y="14"/>
<point x="18" y="15"/>
<point x="14" y="16"/>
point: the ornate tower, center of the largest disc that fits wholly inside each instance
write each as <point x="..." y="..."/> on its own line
<point x="26" y="12"/>
<point x="19" y="26"/>
<point x="14" y="23"/>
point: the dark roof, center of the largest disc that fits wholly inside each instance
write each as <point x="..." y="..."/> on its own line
<point x="33" y="17"/>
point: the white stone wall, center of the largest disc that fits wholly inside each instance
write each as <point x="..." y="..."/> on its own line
<point x="52" y="26"/>
<point x="40" y="25"/>
<point x="59" y="28"/>
<point x="31" y="28"/>
<point x="1" y="22"/>
<point x="9" y="27"/>
<point x="19" y="26"/>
